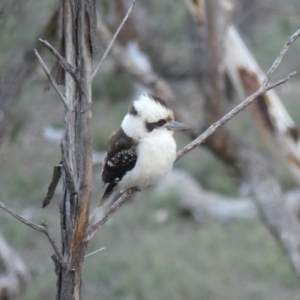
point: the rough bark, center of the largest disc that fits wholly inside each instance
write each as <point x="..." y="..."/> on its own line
<point x="76" y="147"/>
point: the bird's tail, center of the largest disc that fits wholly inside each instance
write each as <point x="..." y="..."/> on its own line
<point x="108" y="192"/>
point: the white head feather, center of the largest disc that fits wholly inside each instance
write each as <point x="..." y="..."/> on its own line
<point x="148" y="109"/>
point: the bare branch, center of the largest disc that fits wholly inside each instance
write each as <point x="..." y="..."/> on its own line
<point x="266" y="85"/>
<point x="55" y="248"/>
<point x="94" y="252"/>
<point x="122" y="199"/>
<point x="51" y="79"/>
<point x="278" y="60"/>
<point x="61" y="60"/>
<point x="113" y="39"/>
<point x="281" y="81"/>
<point x="41" y="228"/>
<point x="199" y="140"/>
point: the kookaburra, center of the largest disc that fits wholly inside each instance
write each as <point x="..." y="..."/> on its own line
<point x="143" y="150"/>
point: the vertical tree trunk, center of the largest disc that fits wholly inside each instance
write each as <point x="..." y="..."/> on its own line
<point x="76" y="149"/>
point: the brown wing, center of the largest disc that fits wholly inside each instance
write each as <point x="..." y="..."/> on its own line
<point x="120" y="158"/>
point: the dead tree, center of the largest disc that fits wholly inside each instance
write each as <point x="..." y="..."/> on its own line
<point x="76" y="146"/>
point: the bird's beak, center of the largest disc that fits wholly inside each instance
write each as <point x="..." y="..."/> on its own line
<point x="176" y="126"/>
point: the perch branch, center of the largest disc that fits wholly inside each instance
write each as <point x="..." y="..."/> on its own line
<point x="113" y="39"/>
<point x="122" y="199"/>
<point x="41" y="228"/>
<point x="51" y="79"/>
<point x="61" y="60"/>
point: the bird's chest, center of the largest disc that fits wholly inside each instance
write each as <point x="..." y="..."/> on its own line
<point x="155" y="158"/>
<point x="157" y="152"/>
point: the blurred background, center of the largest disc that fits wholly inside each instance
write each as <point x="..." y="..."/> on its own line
<point x="195" y="235"/>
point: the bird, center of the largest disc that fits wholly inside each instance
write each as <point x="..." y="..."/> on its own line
<point x="143" y="150"/>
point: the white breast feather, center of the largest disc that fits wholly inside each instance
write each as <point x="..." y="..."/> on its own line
<point x="156" y="156"/>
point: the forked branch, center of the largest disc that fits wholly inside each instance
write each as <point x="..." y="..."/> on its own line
<point x="41" y="228"/>
<point x="266" y="85"/>
<point x="201" y="138"/>
<point x="63" y="63"/>
<point x="51" y="79"/>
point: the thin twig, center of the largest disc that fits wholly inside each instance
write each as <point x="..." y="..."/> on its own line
<point x="122" y="199"/>
<point x="51" y="79"/>
<point x="199" y="140"/>
<point x="61" y="60"/>
<point x="94" y="252"/>
<point x="41" y="228"/>
<point x="114" y="38"/>
<point x="278" y="59"/>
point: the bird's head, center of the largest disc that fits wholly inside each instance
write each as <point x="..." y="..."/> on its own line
<point x="150" y="115"/>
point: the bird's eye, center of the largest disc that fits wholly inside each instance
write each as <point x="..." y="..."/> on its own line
<point x="160" y="123"/>
<point x="152" y="126"/>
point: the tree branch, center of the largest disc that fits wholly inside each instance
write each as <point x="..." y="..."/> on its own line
<point x="122" y="199"/>
<point x="61" y="60"/>
<point x="41" y="228"/>
<point x="113" y="39"/>
<point x="94" y="252"/>
<point x="263" y="89"/>
<point x="279" y="58"/>
<point x="51" y="79"/>
<point x="266" y="85"/>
